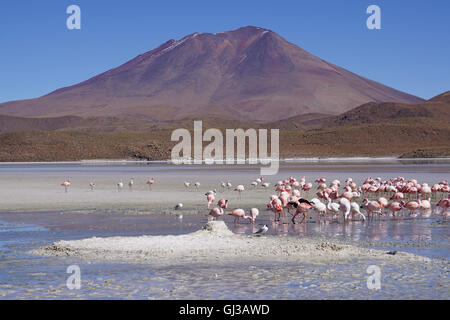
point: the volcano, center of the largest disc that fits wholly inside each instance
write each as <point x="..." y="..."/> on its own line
<point x="246" y="74"/>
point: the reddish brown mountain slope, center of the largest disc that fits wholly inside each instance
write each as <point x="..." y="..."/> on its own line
<point x="437" y="108"/>
<point x="251" y="74"/>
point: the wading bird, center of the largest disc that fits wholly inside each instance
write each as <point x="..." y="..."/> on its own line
<point x="150" y="183"/>
<point x="240" y="188"/>
<point x="238" y="214"/>
<point x="66" y="185"/>
<point x="262" y="230"/>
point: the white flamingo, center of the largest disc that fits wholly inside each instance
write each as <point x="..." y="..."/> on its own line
<point x="355" y="209"/>
<point x="319" y="207"/>
<point x="332" y="207"/>
<point x="240" y="188"/>
<point x="131" y="183"/>
<point x="344" y="208"/>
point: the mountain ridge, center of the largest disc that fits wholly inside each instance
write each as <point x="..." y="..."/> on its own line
<point x="250" y="74"/>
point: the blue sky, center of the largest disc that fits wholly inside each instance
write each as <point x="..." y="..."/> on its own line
<point x="38" y="54"/>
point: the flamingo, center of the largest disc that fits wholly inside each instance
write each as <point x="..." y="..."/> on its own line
<point x="276" y="206"/>
<point x="296" y="193"/>
<point x="238" y="214"/>
<point x="412" y="206"/>
<point x="301" y="208"/>
<point x="332" y="207"/>
<point x="150" y="183"/>
<point x="222" y="203"/>
<point x="344" y="208"/>
<point x="425" y="204"/>
<point x="397" y="196"/>
<point x="119" y="185"/>
<point x="240" y="188"/>
<point x="254" y="212"/>
<point x="254" y="184"/>
<point x="131" y="183"/>
<point x="355" y="209"/>
<point x="92" y="185"/>
<point x="319" y="207"/>
<point x="394" y="207"/>
<point x="426" y="190"/>
<point x="215" y="213"/>
<point x="383" y="202"/>
<point x="265" y="185"/>
<point x="347" y="195"/>
<point x="444" y="204"/>
<point x="66" y="185"/>
<point x="372" y="207"/>
<point x="229" y="185"/>
<point x="210" y="197"/>
<point x="197" y="185"/>
<point x="187" y="184"/>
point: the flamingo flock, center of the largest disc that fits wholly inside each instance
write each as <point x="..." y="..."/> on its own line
<point x="332" y="201"/>
<point x="66" y="184"/>
<point x="373" y="199"/>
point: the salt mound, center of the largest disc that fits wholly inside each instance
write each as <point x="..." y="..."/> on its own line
<point x="214" y="243"/>
<point x="218" y="228"/>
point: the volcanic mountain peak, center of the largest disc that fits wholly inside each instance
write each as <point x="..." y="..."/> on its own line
<point x="250" y="73"/>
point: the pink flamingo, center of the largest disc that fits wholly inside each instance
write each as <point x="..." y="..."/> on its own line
<point x="394" y="207"/>
<point x="412" y="207"/>
<point x="222" y="203"/>
<point x="215" y="213"/>
<point x="296" y="193"/>
<point x="371" y="207"/>
<point x="347" y="195"/>
<point x="210" y="197"/>
<point x="66" y="185"/>
<point x="276" y="207"/>
<point x="301" y="208"/>
<point x="150" y="183"/>
<point x="425" y="204"/>
<point x="238" y="214"/>
<point x="445" y="205"/>
<point x="397" y="196"/>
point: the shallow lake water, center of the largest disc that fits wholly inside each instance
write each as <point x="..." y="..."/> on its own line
<point x="35" y="211"/>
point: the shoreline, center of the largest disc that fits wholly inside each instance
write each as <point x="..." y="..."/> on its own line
<point x="169" y="162"/>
